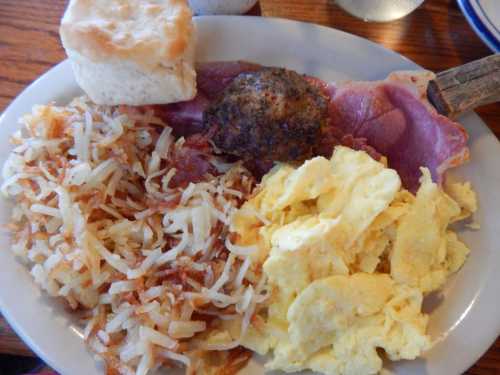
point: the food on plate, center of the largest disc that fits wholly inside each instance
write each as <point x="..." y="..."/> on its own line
<point x="150" y="220"/>
<point x="132" y="52"/>
<point x="129" y="226"/>
<point x="271" y="113"/>
<point x="396" y="119"/>
<point x="390" y="117"/>
<point x="176" y="257"/>
<point x="349" y="255"/>
<point x="142" y="207"/>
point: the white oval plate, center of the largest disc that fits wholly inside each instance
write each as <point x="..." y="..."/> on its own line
<point x="466" y="320"/>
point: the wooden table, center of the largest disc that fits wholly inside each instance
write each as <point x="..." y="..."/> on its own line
<point x="435" y="36"/>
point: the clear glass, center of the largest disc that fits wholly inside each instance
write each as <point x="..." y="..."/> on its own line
<point x="379" y="10"/>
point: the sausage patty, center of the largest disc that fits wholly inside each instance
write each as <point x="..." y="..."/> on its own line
<point x="269" y="114"/>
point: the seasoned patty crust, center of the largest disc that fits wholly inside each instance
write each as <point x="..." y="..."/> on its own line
<point x="269" y="114"/>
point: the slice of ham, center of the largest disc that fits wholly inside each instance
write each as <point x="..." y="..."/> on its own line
<point x="192" y="161"/>
<point x="396" y="119"/>
<point x="185" y="118"/>
<point x="390" y="117"/>
<point x="213" y="77"/>
<point x="332" y="136"/>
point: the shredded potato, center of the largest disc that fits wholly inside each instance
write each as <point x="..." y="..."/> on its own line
<point x="109" y="223"/>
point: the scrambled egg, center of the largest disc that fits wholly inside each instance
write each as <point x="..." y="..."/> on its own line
<point x="348" y="256"/>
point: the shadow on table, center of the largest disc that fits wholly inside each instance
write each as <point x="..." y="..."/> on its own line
<point x="14" y="365"/>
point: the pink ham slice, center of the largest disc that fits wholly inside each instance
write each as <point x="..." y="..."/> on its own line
<point x="390" y="117"/>
<point x="213" y="77"/>
<point x="185" y="118"/>
<point x="396" y="119"/>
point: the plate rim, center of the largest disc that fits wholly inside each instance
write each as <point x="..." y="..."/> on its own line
<point x="61" y="65"/>
<point x="478" y="25"/>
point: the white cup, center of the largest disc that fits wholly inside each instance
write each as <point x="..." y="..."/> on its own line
<point x="201" y="7"/>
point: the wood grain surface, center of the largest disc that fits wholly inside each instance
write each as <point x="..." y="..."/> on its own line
<point x="435" y="36"/>
<point x="465" y="87"/>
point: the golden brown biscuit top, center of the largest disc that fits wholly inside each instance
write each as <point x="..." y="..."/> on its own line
<point x="148" y="32"/>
